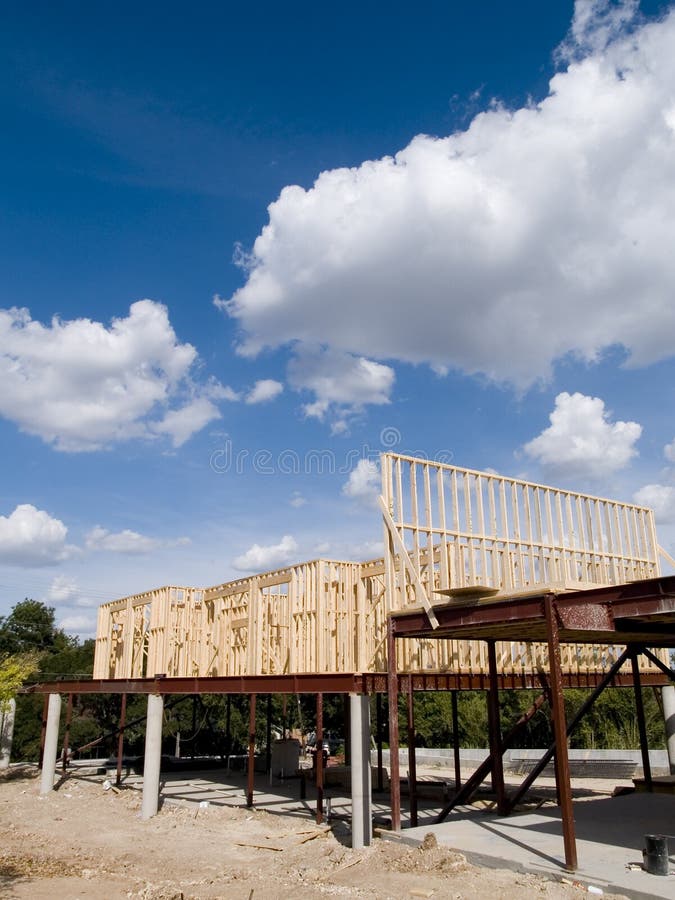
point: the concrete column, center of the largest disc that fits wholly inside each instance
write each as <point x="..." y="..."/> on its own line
<point x="7" y="732"/>
<point x="668" y="697"/>
<point x="362" y="814"/>
<point x="153" y="756"/>
<point x="51" y="743"/>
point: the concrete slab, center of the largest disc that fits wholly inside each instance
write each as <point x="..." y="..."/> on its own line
<point x="610" y="837"/>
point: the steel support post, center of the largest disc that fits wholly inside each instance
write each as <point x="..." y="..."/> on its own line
<point x="359" y="713"/>
<point x="455" y="741"/>
<point x="392" y="691"/>
<point x="228" y="728"/>
<point x="378" y="730"/>
<point x="152" y="764"/>
<point x="318" y="759"/>
<point x="495" y="732"/>
<point x="251" y="750"/>
<point x="66" y="734"/>
<point x="268" y="736"/>
<point x="412" y="758"/>
<point x="562" y="766"/>
<point x="51" y="743"/>
<point x="641" y="722"/>
<point x="120" y="739"/>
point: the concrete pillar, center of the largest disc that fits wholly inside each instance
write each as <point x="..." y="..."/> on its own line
<point x="153" y="756"/>
<point x="668" y="697"/>
<point x="51" y="743"/>
<point x="7" y="732"/>
<point x="362" y="814"/>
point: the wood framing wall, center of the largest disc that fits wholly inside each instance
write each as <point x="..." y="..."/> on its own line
<point x="445" y="528"/>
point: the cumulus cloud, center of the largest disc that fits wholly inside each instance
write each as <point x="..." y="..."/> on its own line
<point x="80" y="385"/>
<point x="127" y="541"/>
<point x="63" y="589"/>
<point x="595" y="24"/>
<point x="297" y="500"/>
<point x="363" y="484"/>
<point x="342" y="384"/>
<point x="81" y="624"/>
<point x="581" y="440"/>
<point x="535" y="233"/>
<point x="264" y="390"/>
<point x="260" y="559"/>
<point x="669" y="451"/>
<point x="660" y="498"/>
<point x="31" y="537"/>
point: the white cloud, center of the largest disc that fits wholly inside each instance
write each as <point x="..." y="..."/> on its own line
<point x="80" y="385"/>
<point x="297" y="500"/>
<point x="79" y="624"/>
<point x="363" y="483"/>
<point x="596" y="23"/>
<point x="120" y="542"/>
<point x="31" y="537"/>
<point x="264" y="390"/>
<point x="660" y="498"/>
<point x="63" y="589"/>
<point x="342" y="384"/>
<point x="181" y="424"/>
<point x="261" y="559"/>
<point x="535" y="233"/>
<point x="367" y="550"/>
<point x="669" y="451"/>
<point x="581" y="441"/>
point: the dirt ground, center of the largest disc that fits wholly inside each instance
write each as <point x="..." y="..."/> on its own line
<point x="85" y="842"/>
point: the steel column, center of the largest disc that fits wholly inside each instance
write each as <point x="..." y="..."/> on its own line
<point x="642" y="725"/>
<point x="455" y="741"/>
<point x="66" y="734"/>
<point x="412" y="759"/>
<point x="392" y="691"/>
<point x="268" y="736"/>
<point x="318" y="759"/>
<point x="120" y="739"/>
<point x="251" y="750"/>
<point x="562" y="766"/>
<point x="495" y="732"/>
<point x="378" y="730"/>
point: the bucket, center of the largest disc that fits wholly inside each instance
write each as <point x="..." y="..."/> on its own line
<point x="655" y="854"/>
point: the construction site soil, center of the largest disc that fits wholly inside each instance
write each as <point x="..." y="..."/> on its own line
<point x="83" y="841"/>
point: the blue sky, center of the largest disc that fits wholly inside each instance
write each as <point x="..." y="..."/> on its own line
<point x="350" y="229"/>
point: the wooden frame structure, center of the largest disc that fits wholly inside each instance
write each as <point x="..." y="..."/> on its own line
<point x="446" y="530"/>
